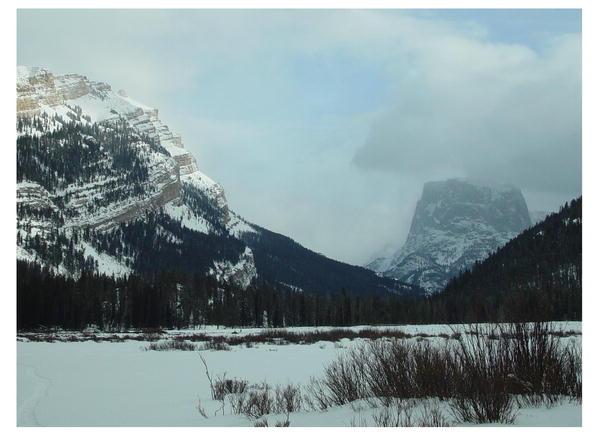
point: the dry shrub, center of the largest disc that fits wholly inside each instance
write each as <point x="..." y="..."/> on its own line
<point x="171" y="345"/>
<point x="201" y="409"/>
<point x="216" y="345"/>
<point x="258" y="401"/>
<point x="223" y="387"/>
<point x="403" y="413"/>
<point x="399" y="413"/>
<point x="261" y="423"/>
<point x="262" y="399"/>
<point x="539" y="361"/>
<point x="486" y="372"/>
<point x="386" y="370"/>
<point x="288" y="399"/>
<point x="399" y="369"/>
<point x="483" y="371"/>
<point x="434" y="371"/>
<point x="317" y="397"/>
<point x="431" y="415"/>
<point x="344" y="379"/>
<point x="481" y="390"/>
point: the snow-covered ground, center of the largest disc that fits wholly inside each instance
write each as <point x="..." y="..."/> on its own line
<point x="121" y="384"/>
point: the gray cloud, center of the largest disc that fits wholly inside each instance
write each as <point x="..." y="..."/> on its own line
<point x="493" y="111"/>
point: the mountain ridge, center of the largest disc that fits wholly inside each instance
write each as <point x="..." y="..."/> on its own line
<point x="95" y="167"/>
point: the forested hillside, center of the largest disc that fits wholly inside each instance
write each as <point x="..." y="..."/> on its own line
<point x="275" y="253"/>
<point x="537" y="275"/>
<point x="176" y="299"/>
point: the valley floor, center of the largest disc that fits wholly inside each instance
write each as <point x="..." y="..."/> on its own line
<point x="120" y="384"/>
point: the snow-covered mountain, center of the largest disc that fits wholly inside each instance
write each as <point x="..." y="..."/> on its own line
<point x="145" y="168"/>
<point x="380" y="261"/>
<point x="456" y="223"/>
<point x="74" y="98"/>
<point x="104" y="186"/>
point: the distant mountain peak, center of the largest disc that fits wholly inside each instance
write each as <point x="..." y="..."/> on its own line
<point x="456" y="222"/>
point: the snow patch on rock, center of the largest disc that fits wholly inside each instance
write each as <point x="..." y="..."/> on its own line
<point x="107" y="265"/>
<point x="240" y="273"/>
<point x="187" y="218"/>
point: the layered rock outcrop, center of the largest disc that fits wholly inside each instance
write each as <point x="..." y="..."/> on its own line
<point x="76" y="97"/>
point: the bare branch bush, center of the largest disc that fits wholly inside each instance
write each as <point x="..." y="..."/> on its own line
<point x="398" y="413"/>
<point x="488" y="372"/>
<point x="481" y="391"/>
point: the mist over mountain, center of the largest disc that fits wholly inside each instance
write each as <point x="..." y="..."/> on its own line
<point x="456" y="222"/>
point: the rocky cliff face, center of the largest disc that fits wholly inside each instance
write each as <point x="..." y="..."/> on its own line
<point x="38" y="88"/>
<point x="456" y="223"/>
<point x="99" y="197"/>
<point x="73" y="96"/>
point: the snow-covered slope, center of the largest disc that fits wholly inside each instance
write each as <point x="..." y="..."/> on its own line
<point x="456" y="222"/>
<point x="380" y="261"/>
<point x="101" y="196"/>
<point x="54" y="381"/>
<point x="73" y="96"/>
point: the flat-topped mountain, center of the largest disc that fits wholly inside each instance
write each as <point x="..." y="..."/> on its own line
<point x="456" y="222"/>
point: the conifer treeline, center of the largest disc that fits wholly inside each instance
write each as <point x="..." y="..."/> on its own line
<point x="173" y="300"/>
<point x="536" y="276"/>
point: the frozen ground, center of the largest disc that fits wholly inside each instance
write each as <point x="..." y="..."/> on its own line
<point x="120" y="384"/>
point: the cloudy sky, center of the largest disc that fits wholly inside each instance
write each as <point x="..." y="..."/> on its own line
<point x="323" y="125"/>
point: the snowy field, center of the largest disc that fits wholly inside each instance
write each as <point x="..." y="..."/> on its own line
<point x="121" y="384"/>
